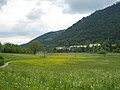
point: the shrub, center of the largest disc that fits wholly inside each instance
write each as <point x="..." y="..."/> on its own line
<point x="1" y="60"/>
<point x="102" y="52"/>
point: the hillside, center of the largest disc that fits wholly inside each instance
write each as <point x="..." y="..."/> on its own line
<point x="103" y="26"/>
<point x="47" y="38"/>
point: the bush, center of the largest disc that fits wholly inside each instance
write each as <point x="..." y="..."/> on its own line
<point x="102" y="52"/>
<point x="1" y="60"/>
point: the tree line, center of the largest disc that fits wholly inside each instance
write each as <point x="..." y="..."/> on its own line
<point x="32" y="48"/>
<point x="35" y="46"/>
<point x="12" y="48"/>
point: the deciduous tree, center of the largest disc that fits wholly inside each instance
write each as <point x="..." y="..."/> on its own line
<point x="35" y="46"/>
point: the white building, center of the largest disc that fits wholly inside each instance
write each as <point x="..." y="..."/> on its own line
<point x="93" y="45"/>
<point x="60" y="48"/>
<point x="77" y="46"/>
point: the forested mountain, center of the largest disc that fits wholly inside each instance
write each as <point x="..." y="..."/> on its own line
<point x="103" y="26"/>
<point x="47" y="38"/>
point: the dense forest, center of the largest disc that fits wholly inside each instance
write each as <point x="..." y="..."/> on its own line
<point x="32" y="48"/>
<point x="46" y="38"/>
<point x="13" y="48"/>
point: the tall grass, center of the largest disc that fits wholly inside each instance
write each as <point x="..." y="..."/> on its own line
<point x="61" y="72"/>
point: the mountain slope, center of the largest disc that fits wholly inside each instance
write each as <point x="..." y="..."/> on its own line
<point x="47" y="38"/>
<point x="101" y="26"/>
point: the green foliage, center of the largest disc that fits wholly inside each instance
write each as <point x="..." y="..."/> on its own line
<point x="1" y="47"/>
<point x="35" y="46"/>
<point x="11" y="48"/>
<point x="102" y="52"/>
<point x="117" y="50"/>
<point x="1" y="60"/>
<point x="47" y="38"/>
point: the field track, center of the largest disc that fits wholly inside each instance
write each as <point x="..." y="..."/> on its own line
<point x="6" y="64"/>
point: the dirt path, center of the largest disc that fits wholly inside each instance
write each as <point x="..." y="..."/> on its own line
<point x="6" y="64"/>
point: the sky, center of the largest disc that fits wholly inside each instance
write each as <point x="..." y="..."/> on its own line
<point x="24" y="20"/>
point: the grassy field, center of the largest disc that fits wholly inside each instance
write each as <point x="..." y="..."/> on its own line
<point x="61" y="72"/>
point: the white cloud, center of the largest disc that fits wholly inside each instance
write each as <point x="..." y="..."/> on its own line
<point x="52" y="16"/>
<point x="3" y="2"/>
<point x="15" y="40"/>
<point x="10" y="16"/>
<point x="87" y="6"/>
<point x="15" y="10"/>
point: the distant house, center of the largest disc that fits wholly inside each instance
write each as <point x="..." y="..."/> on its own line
<point x="77" y="46"/>
<point x="60" y="48"/>
<point x="93" y="45"/>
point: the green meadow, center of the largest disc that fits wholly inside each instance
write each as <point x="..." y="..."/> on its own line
<point x="61" y="72"/>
